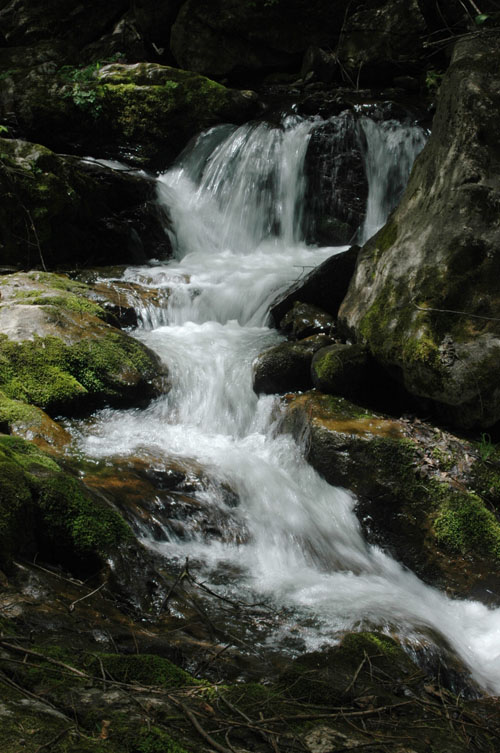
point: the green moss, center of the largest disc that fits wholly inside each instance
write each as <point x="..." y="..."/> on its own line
<point x="75" y="523"/>
<point x="465" y="526"/>
<point x="44" y="509"/>
<point x="155" y="740"/>
<point x="69" y="302"/>
<point x="54" y="376"/>
<point x="15" y="411"/>
<point x="144" y="669"/>
<point x="342" y="408"/>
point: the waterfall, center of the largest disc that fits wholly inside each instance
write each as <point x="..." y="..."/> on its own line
<point x="389" y="152"/>
<point x="235" y="201"/>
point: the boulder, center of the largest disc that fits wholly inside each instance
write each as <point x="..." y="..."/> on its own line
<point x="287" y="367"/>
<point x="324" y="287"/>
<point x="341" y="369"/>
<point x="63" y="212"/>
<point x="144" y="113"/>
<point x="58" y="352"/>
<point x="337" y="187"/>
<point x="164" y="499"/>
<point x="427" y="496"/>
<point x="424" y="297"/>
<point x="47" y="511"/>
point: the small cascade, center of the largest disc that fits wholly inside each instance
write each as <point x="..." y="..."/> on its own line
<point x="236" y="203"/>
<point x="390" y="150"/>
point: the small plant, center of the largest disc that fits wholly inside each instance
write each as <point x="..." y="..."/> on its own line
<point x="433" y="80"/>
<point x="486" y="447"/>
<point x="3" y="128"/>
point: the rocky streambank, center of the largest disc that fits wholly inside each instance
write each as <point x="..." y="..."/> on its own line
<point x="394" y="346"/>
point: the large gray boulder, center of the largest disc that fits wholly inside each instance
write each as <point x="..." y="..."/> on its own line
<point x="425" y="295"/>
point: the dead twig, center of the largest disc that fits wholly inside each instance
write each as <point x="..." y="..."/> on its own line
<point x="203" y="733"/>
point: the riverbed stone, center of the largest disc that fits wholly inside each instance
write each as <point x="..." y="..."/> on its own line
<point x="304" y="320"/>
<point x="424" y="297"/>
<point x="421" y="491"/>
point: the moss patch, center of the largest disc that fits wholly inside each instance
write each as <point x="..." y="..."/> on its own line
<point x="464" y="525"/>
<point x="143" y="669"/>
<point x="43" y="509"/>
<point x="54" y="376"/>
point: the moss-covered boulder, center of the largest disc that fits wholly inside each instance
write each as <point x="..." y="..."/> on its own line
<point x="29" y="422"/>
<point x="287" y="367"/>
<point x="58" y="352"/>
<point x="424" y="297"/>
<point x="427" y="496"/>
<point x="341" y="369"/>
<point x="143" y="113"/>
<point x="45" y="511"/>
<point x="63" y="212"/>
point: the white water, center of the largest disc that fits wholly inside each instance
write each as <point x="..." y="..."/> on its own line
<point x="234" y="203"/>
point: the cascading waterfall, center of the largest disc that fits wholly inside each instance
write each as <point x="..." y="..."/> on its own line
<point x="234" y="201"/>
<point x="389" y="153"/>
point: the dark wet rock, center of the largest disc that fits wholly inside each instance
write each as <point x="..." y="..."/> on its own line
<point x="424" y="297"/>
<point x="341" y="369"/>
<point x="324" y="287"/>
<point x="287" y="367"/>
<point x="304" y="320"/>
<point x="58" y="352"/>
<point x="143" y="113"/>
<point x="63" y="212"/>
<point x="25" y="22"/>
<point x="337" y="188"/>
<point x="169" y="499"/>
<point x="422" y="492"/>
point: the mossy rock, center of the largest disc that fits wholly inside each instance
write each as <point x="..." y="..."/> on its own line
<point x="328" y="677"/>
<point x="58" y="354"/>
<point x="427" y="505"/>
<point x="424" y="297"/>
<point x="143" y="669"/>
<point x="287" y="367"/>
<point x="341" y="369"/>
<point x="144" y="113"/>
<point x="45" y="510"/>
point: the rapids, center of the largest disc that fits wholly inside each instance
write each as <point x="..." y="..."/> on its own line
<point x="234" y="202"/>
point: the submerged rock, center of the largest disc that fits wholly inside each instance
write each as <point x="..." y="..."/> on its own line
<point x="426" y="495"/>
<point x="424" y="296"/>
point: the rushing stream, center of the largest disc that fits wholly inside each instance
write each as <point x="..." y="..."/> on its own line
<point x="235" y="204"/>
